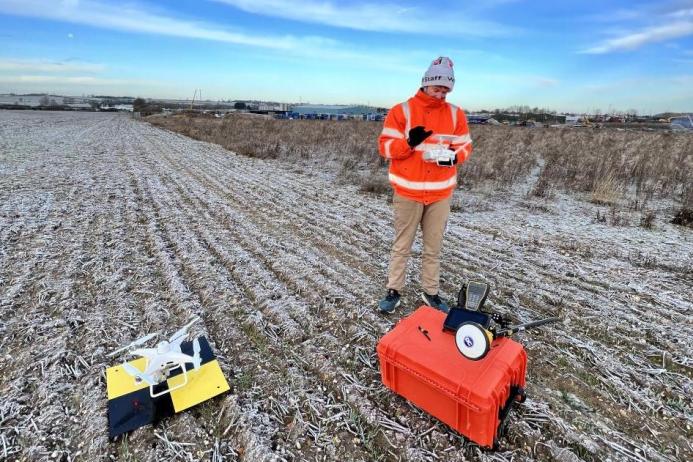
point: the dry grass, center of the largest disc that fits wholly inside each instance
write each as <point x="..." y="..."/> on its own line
<point x="376" y="184"/>
<point x="647" y="220"/>
<point x="609" y="165"/>
<point x="606" y="190"/>
<point x="292" y="140"/>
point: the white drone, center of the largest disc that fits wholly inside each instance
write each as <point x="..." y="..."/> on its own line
<point x="163" y="359"/>
<point x="442" y="154"/>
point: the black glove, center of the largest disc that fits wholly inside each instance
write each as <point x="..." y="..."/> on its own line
<point x="417" y="135"/>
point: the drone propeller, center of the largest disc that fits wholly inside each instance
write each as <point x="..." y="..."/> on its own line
<point x="196" y="354"/>
<point x="148" y="353"/>
<point x="133" y="371"/>
<point x="182" y="332"/>
<point x="137" y="342"/>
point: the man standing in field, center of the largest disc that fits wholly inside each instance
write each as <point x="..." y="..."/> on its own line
<point x="417" y="137"/>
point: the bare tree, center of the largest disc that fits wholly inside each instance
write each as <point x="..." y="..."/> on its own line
<point x="138" y="104"/>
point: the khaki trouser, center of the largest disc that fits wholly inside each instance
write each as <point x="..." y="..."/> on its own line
<point x="408" y="215"/>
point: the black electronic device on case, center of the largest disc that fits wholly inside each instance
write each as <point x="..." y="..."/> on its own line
<point x="472" y="296"/>
<point x="470" y="300"/>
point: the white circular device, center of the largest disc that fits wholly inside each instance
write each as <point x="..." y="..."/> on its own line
<point x="472" y="340"/>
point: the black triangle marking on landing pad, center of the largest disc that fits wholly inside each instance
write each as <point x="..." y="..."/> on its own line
<point x="137" y="409"/>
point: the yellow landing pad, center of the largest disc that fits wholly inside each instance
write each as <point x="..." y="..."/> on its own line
<point x="130" y="405"/>
<point x="119" y="382"/>
<point x="205" y="383"/>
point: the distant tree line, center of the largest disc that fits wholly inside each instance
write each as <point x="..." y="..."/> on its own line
<point x="145" y="107"/>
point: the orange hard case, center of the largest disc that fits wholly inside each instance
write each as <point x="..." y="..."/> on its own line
<point x="420" y="362"/>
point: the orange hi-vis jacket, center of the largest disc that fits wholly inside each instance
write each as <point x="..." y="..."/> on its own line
<point x="410" y="175"/>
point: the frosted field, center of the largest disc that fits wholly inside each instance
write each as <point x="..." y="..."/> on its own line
<point x="111" y="228"/>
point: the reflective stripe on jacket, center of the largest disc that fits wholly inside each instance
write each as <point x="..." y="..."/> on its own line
<point x="410" y="176"/>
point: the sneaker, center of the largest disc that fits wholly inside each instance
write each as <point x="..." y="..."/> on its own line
<point x="390" y="302"/>
<point x="435" y="301"/>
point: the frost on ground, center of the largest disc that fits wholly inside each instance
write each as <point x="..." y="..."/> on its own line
<point x="111" y="228"/>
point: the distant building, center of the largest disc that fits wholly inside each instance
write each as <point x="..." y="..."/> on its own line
<point x="334" y="112"/>
<point x="682" y="122"/>
<point x="118" y="107"/>
<point x="320" y="109"/>
<point x="276" y="107"/>
<point x="477" y="119"/>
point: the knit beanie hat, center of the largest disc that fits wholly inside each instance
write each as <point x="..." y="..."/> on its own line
<point x="439" y="73"/>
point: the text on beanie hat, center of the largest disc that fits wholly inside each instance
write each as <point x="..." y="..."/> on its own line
<point x="440" y="72"/>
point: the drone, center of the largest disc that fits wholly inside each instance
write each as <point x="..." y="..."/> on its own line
<point x="442" y="154"/>
<point x="475" y="329"/>
<point x="162" y="360"/>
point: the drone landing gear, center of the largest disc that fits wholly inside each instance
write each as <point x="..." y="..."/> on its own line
<point x="167" y="374"/>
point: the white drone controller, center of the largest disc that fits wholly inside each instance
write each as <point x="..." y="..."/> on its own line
<point x="442" y="155"/>
<point x="163" y="359"/>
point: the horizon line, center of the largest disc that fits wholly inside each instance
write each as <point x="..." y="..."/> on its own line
<point x="542" y="109"/>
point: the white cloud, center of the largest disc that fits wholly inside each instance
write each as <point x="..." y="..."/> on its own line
<point x="29" y="65"/>
<point x="84" y="80"/>
<point x="517" y="80"/>
<point x="685" y="81"/>
<point x="638" y="39"/>
<point x="545" y="82"/>
<point x="80" y="84"/>
<point x="682" y="81"/>
<point x="131" y="18"/>
<point x="646" y="24"/>
<point x="682" y="14"/>
<point x="382" y="17"/>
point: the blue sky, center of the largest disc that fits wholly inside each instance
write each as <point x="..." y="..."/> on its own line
<point x="563" y="55"/>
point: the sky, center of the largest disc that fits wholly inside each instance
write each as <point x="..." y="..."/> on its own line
<point x="574" y="56"/>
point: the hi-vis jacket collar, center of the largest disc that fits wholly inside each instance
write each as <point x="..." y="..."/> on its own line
<point x="428" y="101"/>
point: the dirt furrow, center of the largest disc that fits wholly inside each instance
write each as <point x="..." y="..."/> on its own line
<point x="205" y="422"/>
<point x="268" y="192"/>
<point x="46" y="325"/>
